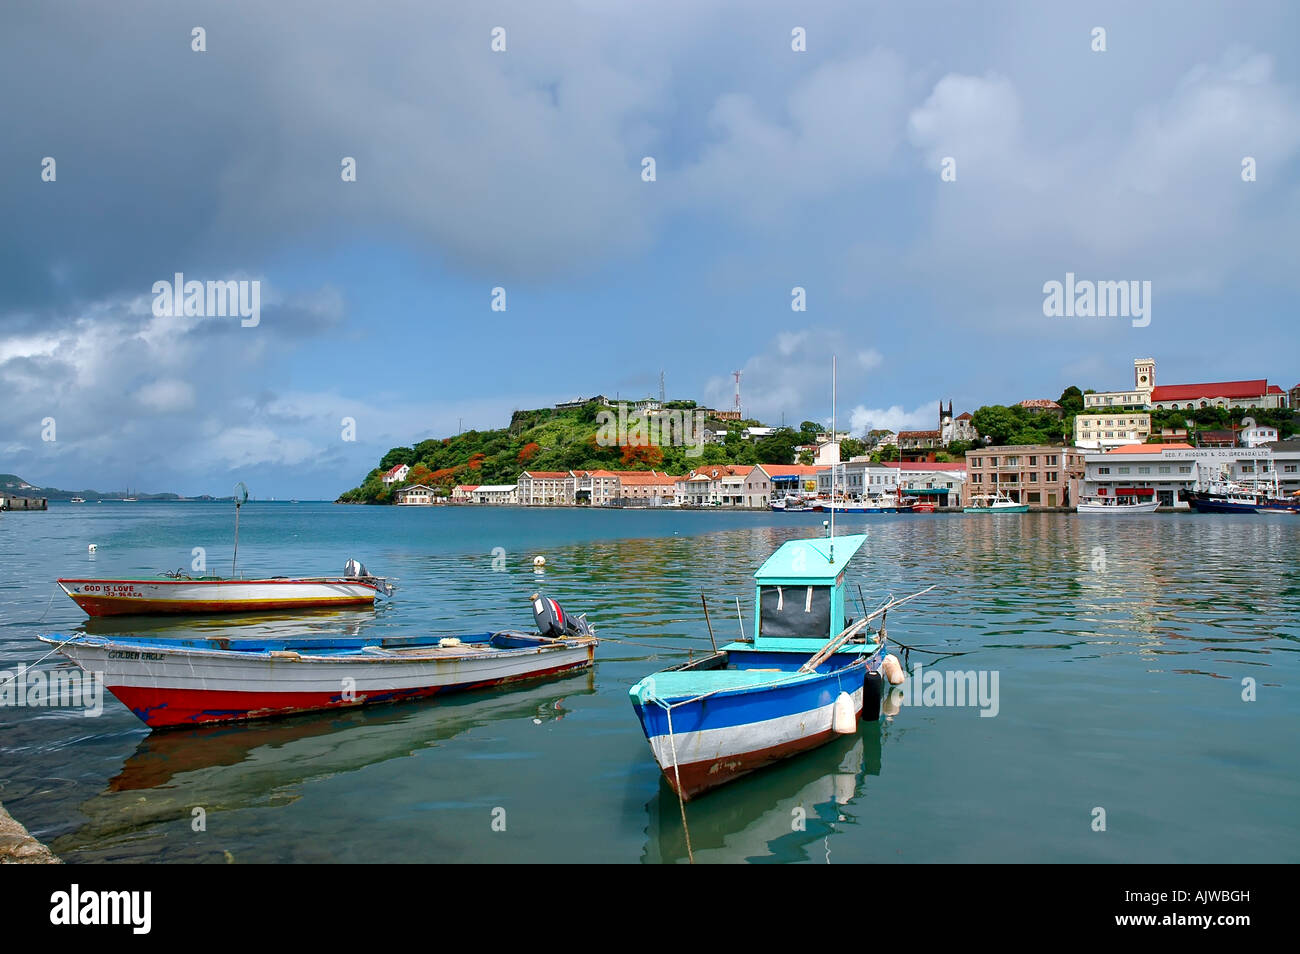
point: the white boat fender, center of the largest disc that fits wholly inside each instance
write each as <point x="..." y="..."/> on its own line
<point x="844" y="722"/>
<point x="539" y="561"/>
<point x="892" y="703"/>
<point x="92" y="548"/>
<point x="285" y="654"/>
<point x="893" y="670"/>
<point x="448" y="641"/>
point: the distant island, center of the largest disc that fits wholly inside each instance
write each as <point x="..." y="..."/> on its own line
<point x="15" y="485"/>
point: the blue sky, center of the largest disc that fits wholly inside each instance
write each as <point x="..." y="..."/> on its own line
<point x="521" y="169"/>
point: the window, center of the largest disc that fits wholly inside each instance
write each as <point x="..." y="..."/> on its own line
<point x="1103" y="470"/>
<point x="1184" y="468"/>
<point x="1051" y="459"/>
<point x="1033" y="462"/>
<point x="1163" y="469"/>
<point x="1051" y="476"/>
<point x="1033" y="477"/>
<point x="1288" y="468"/>
<point x="1124" y="470"/>
<point x="1144" y="470"/>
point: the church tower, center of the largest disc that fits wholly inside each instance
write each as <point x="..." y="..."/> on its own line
<point x="1144" y="373"/>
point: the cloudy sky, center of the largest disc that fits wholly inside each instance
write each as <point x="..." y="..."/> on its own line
<point x="522" y="169"/>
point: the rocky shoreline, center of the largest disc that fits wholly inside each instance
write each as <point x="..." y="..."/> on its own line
<point x="18" y="847"/>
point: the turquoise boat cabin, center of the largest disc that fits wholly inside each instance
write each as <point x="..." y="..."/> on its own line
<point x="800" y="595"/>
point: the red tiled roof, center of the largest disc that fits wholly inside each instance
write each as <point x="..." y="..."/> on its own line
<point x="1148" y="448"/>
<point x="642" y="477"/>
<point x="1274" y="389"/>
<point x="547" y="474"/>
<point x="468" y="487"/>
<point x="964" y="416"/>
<point x="903" y="434"/>
<point x="393" y="470"/>
<point x="789" y="470"/>
<point x="1040" y="403"/>
<point x="1225" y="389"/>
<point x="924" y="465"/>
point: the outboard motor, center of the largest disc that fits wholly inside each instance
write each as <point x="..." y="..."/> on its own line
<point x="355" y="568"/>
<point x="552" y="621"/>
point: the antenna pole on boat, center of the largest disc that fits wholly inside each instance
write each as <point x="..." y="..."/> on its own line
<point x="834" y="463"/>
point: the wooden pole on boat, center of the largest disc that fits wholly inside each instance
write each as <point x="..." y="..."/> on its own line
<point x="830" y="648"/>
<point x="705" y="603"/>
<point x="241" y="494"/>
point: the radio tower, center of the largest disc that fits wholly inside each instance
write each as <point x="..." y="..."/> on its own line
<point x="736" y="375"/>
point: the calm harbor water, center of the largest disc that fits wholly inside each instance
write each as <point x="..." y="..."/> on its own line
<point x="1121" y="646"/>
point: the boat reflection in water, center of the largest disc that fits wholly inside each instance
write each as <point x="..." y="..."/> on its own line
<point x="759" y="820"/>
<point x="227" y="768"/>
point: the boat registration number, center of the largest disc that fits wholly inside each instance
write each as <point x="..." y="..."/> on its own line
<point x="132" y="654"/>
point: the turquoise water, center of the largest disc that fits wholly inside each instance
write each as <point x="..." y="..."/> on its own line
<point x="1121" y="646"/>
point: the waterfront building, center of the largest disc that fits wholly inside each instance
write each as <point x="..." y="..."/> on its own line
<point x="1173" y="470"/>
<point x="645" y="488"/>
<point x="417" y="495"/>
<point x="546" y="488"/>
<point x="720" y="485"/>
<point x="769" y="482"/>
<point x="463" y="493"/>
<point x="1103" y="431"/>
<point x="396" y="474"/>
<point x="939" y="483"/>
<point x="601" y="487"/>
<point x="495" y="494"/>
<point x="1040" y="475"/>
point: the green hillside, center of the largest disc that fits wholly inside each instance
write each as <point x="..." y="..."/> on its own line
<point x="553" y="439"/>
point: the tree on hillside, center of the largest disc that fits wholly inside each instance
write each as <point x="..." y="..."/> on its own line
<point x="851" y="447"/>
<point x="396" y="457"/>
<point x="1071" y="400"/>
<point x="995" y="422"/>
<point x="528" y="452"/>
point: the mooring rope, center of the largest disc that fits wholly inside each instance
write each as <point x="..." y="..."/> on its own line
<point x="14" y="678"/>
<point x="677" y="775"/>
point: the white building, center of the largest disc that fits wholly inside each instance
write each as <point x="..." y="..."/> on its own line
<point x="495" y="494"/>
<point x="720" y="485"/>
<point x="546" y="488"/>
<point x="1100" y="432"/>
<point x="417" y="496"/>
<point x="1256" y="435"/>
<point x="1173" y="470"/>
<point x="396" y="474"/>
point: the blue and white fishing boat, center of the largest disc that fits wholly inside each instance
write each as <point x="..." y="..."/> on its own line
<point x="808" y="674"/>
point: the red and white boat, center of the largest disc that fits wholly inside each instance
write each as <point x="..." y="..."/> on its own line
<point x="202" y="680"/>
<point x="180" y="594"/>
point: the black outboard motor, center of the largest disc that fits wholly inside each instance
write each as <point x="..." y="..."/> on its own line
<point x="552" y="621"/>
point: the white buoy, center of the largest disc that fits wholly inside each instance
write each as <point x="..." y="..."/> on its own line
<point x="539" y="561"/>
<point x="448" y="642"/>
<point x="92" y="548"/>
<point x="844" y="721"/>
<point x="892" y="670"/>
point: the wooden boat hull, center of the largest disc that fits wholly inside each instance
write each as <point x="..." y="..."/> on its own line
<point x="168" y="685"/>
<point x="169" y="597"/>
<point x="732" y="733"/>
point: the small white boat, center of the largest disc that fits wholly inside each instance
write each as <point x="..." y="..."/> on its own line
<point x="995" y="503"/>
<point x="77" y="500"/>
<point x="1125" y="500"/>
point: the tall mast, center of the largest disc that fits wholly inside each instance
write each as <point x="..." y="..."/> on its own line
<point x="835" y="462"/>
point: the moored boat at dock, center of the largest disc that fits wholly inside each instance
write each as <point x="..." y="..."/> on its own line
<point x="994" y="503"/>
<point x="1125" y="500"/>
